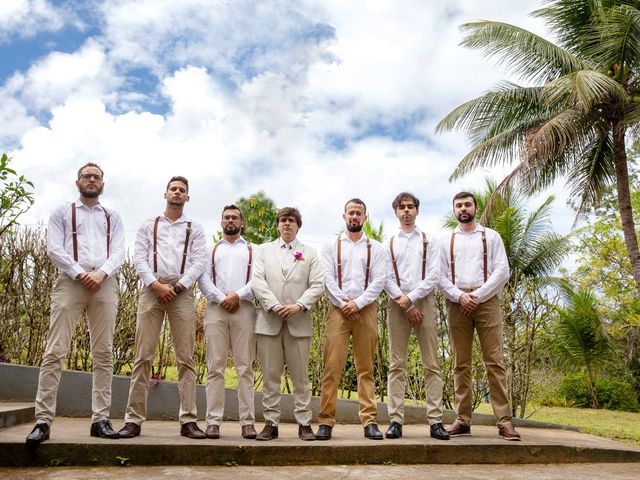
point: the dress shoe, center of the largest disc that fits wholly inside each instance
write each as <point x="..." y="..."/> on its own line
<point x="212" y="431"/>
<point x="305" y="432"/>
<point x="129" y="430"/>
<point x="103" y="429"/>
<point x="248" y="431"/>
<point x="372" y="433"/>
<point x="269" y="432"/>
<point x="191" y="430"/>
<point x="438" y="432"/>
<point x="458" y="429"/>
<point x="39" y="434"/>
<point x="394" y="430"/>
<point x="324" y="432"/>
<point x="507" y="432"/>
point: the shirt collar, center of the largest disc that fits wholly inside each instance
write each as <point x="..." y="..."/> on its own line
<point x="415" y="231"/>
<point x="239" y="240"/>
<point x="79" y="204"/>
<point x="479" y="228"/>
<point x="363" y="238"/>
<point x="293" y="244"/>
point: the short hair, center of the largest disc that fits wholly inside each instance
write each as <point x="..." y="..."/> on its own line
<point x="233" y="207"/>
<point x="178" y="178"/>
<point x="465" y="195"/>
<point x="405" y="196"/>
<point x="89" y="164"/>
<point x="357" y="201"/>
<point x="289" y="212"/>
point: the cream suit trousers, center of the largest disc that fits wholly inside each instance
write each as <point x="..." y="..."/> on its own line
<point x="427" y="335"/>
<point x="68" y="301"/>
<point x="273" y="351"/>
<point x="151" y="315"/>
<point x="233" y="332"/>
<point x="487" y="321"/>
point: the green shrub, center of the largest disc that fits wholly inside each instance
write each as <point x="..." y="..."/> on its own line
<point x="612" y="394"/>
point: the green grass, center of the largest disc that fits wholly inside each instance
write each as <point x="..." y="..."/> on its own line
<point x="620" y="426"/>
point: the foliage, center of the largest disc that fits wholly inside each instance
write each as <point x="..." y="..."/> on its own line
<point x="612" y="394"/>
<point x="259" y="213"/>
<point x="16" y="196"/>
<point x="581" y="340"/>
<point x="581" y="99"/>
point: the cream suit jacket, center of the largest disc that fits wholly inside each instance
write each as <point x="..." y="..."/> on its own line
<point x="279" y="279"/>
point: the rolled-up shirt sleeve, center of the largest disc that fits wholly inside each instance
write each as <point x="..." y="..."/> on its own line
<point x="330" y="283"/>
<point x="55" y="244"/>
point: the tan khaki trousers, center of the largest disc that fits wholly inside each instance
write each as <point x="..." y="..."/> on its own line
<point x="68" y="301"/>
<point x="273" y="351"/>
<point x="427" y="335"/>
<point x="336" y="347"/>
<point x="151" y="315"/>
<point x="226" y="331"/>
<point x="487" y="321"/>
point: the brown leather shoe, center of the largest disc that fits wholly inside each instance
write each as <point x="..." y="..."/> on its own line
<point x="507" y="432"/>
<point x="249" y="431"/>
<point x="212" y="431"/>
<point x="269" y="432"/>
<point x="305" y="432"/>
<point x="458" y="429"/>
<point x="129" y="430"/>
<point x="191" y="430"/>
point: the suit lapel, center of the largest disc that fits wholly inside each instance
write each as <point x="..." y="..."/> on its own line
<point x="295" y="262"/>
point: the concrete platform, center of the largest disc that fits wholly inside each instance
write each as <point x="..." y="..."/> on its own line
<point x="160" y="444"/>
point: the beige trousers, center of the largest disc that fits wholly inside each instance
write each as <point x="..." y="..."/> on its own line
<point x="68" y="301"/>
<point x="487" y="321"/>
<point x="151" y="314"/>
<point x="336" y="347"/>
<point x="226" y="331"/>
<point x="273" y="351"/>
<point x="427" y="335"/>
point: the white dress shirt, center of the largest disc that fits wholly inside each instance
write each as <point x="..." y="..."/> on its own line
<point x="232" y="260"/>
<point x="354" y="266"/>
<point x="408" y="250"/>
<point x="171" y="237"/>
<point x="91" y="225"/>
<point x="469" y="264"/>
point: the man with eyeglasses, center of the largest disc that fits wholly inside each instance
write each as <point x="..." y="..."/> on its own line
<point x="86" y="242"/>
<point x="230" y="322"/>
<point x="170" y="254"/>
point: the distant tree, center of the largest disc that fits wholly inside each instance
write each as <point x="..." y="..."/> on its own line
<point x="259" y="217"/>
<point x="16" y="196"/>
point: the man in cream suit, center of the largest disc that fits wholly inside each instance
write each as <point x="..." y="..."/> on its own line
<point x="287" y="281"/>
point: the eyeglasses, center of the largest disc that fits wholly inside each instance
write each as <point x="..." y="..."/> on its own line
<point x="89" y="176"/>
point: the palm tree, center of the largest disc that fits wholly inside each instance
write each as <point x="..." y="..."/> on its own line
<point x="580" y="339"/>
<point x="580" y="101"/>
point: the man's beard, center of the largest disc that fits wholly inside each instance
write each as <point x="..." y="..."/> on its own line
<point x="470" y="217"/>
<point x="90" y="193"/>
<point x="175" y="203"/>
<point x="231" y="230"/>
<point x="354" y="228"/>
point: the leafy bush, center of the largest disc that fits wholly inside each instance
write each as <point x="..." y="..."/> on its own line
<point x="612" y="394"/>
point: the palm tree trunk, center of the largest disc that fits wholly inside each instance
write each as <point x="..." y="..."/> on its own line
<point x="624" y="201"/>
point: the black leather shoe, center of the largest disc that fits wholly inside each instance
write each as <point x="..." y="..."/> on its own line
<point x="103" y="429"/>
<point x="191" y="430"/>
<point x="394" y="430"/>
<point x="269" y="432"/>
<point x="305" y="432"/>
<point x="129" y="430"/>
<point x="438" y="432"/>
<point x="324" y="432"/>
<point x="372" y="433"/>
<point x="39" y="434"/>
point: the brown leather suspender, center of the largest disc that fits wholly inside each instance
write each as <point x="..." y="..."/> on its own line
<point x="366" y="278"/>
<point x="484" y="256"/>
<point x="155" y="246"/>
<point x="74" y="230"/>
<point x="425" y="243"/>
<point x="213" y="262"/>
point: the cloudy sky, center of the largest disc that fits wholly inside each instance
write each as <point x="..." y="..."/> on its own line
<point x="312" y="102"/>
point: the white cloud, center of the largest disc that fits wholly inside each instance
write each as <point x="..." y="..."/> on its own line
<point x="26" y="18"/>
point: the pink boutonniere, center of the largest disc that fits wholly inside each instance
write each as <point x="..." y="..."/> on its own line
<point x="298" y="256"/>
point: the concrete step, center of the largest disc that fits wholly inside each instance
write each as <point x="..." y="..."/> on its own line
<point x="161" y="444"/>
<point x="16" y="413"/>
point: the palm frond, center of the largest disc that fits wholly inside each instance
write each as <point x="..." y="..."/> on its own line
<point x="618" y="44"/>
<point x="520" y="51"/>
<point x="583" y="89"/>
<point x="567" y="20"/>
